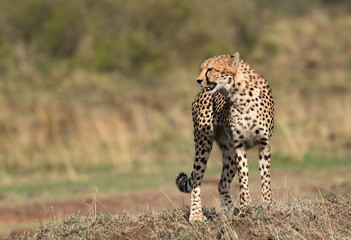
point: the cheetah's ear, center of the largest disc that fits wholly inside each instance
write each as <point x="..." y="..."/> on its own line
<point x="235" y="58"/>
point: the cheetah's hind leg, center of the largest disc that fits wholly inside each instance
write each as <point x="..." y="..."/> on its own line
<point x="226" y="145"/>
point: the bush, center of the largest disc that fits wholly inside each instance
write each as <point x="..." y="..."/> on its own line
<point x="132" y="37"/>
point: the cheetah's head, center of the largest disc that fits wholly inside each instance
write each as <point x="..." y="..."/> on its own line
<point x="217" y="73"/>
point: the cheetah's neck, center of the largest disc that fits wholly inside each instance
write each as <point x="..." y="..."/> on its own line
<point x="244" y="86"/>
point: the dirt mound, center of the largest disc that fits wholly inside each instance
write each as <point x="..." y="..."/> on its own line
<point x="328" y="218"/>
<point x="16" y="218"/>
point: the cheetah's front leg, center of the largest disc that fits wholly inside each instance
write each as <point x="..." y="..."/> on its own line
<point x="265" y="166"/>
<point x="243" y="172"/>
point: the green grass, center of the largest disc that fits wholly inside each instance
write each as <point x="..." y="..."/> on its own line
<point x="107" y="179"/>
<point x="152" y="175"/>
<point x="309" y="162"/>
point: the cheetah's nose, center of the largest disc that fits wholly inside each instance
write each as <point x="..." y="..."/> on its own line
<point x="199" y="81"/>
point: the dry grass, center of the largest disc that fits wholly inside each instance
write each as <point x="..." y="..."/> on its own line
<point x="64" y="120"/>
<point x="310" y="81"/>
<point x="326" y="218"/>
<point x="48" y="132"/>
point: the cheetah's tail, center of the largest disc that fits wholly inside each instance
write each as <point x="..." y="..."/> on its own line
<point x="184" y="183"/>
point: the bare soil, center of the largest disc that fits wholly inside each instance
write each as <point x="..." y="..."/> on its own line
<point x="16" y="218"/>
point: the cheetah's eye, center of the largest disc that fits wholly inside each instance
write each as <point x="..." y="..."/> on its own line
<point x="209" y="69"/>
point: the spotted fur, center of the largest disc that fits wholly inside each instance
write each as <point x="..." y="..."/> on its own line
<point x="235" y="109"/>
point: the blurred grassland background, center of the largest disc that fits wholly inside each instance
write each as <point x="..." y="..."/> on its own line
<point x="86" y="84"/>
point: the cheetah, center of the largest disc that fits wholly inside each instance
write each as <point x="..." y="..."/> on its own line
<point x="235" y="109"/>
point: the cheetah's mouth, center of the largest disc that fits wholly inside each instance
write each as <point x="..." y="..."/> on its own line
<point x="211" y="86"/>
